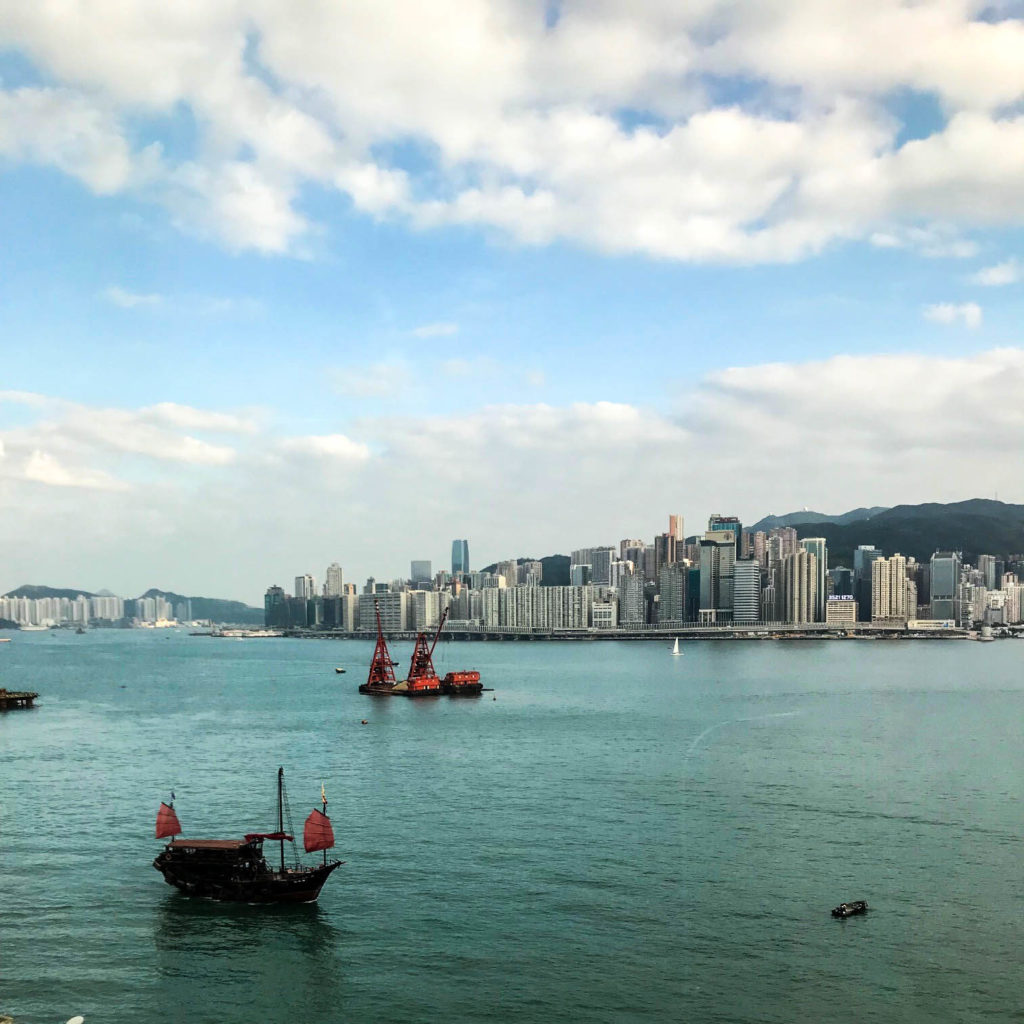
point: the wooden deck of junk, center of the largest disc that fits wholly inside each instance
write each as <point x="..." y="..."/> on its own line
<point x="10" y="699"/>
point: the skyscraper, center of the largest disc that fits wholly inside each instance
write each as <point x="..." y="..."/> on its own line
<point x="305" y="587"/>
<point x="799" y="586"/>
<point x="889" y="590"/>
<point x="746" y="590"/>
<point x="460" y="556"/>
<point x="862" y="559"/>
<point x="334" y="584"/>
<point x="816" y="546"/>
<point x="420" y="572"/>
<point x="717" y="522"/>
<point x="717" y="561"/>
<point x="675" y="528"/>
<point x="945" y="581"/>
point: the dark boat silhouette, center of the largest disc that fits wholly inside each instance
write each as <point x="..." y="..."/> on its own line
<point x="236" y="869"/>
<point x="849" y="909"/>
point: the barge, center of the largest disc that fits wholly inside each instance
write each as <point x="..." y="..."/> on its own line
<point x="11" y="699"/>
<point x="422" y="680"/>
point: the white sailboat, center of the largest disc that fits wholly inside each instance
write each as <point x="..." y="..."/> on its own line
<point x="675" y="649"/>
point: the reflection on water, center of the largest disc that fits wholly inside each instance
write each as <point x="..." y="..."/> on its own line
<point x="215" y="961"/>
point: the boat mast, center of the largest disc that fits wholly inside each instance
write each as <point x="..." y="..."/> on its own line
<point x="280" y="812"/>
<point x="323" y="796"/>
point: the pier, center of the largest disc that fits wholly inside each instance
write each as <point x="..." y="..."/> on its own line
<point x="10" y="699"/>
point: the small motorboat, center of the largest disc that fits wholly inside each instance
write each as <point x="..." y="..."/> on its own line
<point x="340" y="671"/>
<point x="849" y="909"/>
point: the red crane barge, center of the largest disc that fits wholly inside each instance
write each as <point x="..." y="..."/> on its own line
<point x="423" y="680"/>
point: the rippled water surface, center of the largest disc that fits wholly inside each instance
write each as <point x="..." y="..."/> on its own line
<point x="619" y="836"/>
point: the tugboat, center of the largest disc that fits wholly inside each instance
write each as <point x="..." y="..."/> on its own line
<point x="849" y="909"/>
<point x="235" y="869"/>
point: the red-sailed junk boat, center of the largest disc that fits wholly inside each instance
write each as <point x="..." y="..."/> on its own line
<point x="235" y="869"/>
<point x="423" y="680"/>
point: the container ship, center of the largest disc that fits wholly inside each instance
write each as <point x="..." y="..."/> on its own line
<point x="423" y="680"/>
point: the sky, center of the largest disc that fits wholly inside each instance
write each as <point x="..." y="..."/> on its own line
<point x="290" y="282"/>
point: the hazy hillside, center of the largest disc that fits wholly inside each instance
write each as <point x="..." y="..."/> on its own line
<point x="202" y="607"/>
<point x="977" y="526"/>
<point x="792" y="518"/>
<point x="215" y="609"/>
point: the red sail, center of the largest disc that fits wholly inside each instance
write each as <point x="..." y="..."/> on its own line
<point x="167" y="823"/>
<point x="318" y="834"/>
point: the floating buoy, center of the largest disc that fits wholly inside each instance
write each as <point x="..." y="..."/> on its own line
<point x="77" y="1020"/>
<point x="494" y="698"/>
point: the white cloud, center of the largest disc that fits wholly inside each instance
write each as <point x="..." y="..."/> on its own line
<point x="738" y="440"/>
<point x="185" y="416"/>
<point x="518" y="126"/>
<point x="438" y="330"/>
<point x="936" y="241"/>
<point x="1008" y="272"/>
<point x="969" y="313"/>
<point x="130" y="300"/>
<point x="328" y="446"/>
<point x="42" y="467"/>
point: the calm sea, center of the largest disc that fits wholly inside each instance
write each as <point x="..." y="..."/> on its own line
<point x="620" y="836"/>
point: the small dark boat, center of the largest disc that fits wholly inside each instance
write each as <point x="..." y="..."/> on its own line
<point x="849" y="909"/>
<point x="235" y="869"/>
<point x="340" y="671"/>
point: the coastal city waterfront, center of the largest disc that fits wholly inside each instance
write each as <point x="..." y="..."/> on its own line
<point x="620" y="836"/>
<point x="726" y="581"/>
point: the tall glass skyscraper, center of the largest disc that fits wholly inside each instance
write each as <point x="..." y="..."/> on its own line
<point x="460" y="556"/>
<point x="945" y="583"/>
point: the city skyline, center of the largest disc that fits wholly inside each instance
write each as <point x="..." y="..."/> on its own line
<point x="267" y="281"/>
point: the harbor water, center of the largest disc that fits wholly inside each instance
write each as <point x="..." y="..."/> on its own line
<point x="619" y="836"/>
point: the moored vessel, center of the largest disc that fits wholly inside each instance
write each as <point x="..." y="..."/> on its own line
<point x="422" y="680"/>
<point x="236" y="869"/>
<point x="849" y="909"/>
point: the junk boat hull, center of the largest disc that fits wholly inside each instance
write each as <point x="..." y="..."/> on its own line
<point x="235" y="871"/>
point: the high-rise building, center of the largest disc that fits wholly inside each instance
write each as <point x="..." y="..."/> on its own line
<point x="675" y="528"/>
<point x="842" y="582"/>
<point x="862" y="559"/>
<point x="945" y="581"/>
<point x="672" y="593"/>
<point x="420" y="571"/>
<point x="799" y="586"/>
<point x="334" y="584"/>
<point x="746" y="591"/>
<point x="987" y="566"/>
<point x="305" y="587"/>
<point x="816" y="546"/>
<point x="717" y="561"/>
<point x="731" y="523"/>
<point x="889" y="590"/>
<point x="665" y="552"/>
<point x="460" y="556"/>
<point x="631" y="600"/>
<point x="601" y="563"/>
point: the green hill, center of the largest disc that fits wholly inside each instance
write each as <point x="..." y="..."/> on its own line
<point x="35" y="592"/>
<point x="977" y="526"/>
<point x="792" y="518"/>
<point x="213" y="608"/>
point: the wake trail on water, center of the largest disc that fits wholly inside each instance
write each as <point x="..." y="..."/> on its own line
<point x="733" y="721"/>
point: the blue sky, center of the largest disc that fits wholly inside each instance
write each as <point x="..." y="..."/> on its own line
<point x="278" y="291"/>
